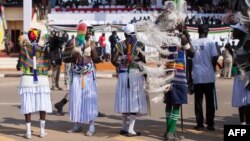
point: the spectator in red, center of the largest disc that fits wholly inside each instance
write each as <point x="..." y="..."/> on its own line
<point x="102" y="42"/>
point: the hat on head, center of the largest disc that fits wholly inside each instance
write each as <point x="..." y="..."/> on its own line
<point x="34" y="34"/>
<point x="203" y="28"/>
<point x="129" y="29"/>
<point x="240" y="27"/>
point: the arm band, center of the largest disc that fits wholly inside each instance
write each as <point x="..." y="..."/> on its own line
<point x="186" y="47"/>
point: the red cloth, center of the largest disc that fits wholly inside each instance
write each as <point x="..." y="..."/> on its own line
<point x="102" y="41"/>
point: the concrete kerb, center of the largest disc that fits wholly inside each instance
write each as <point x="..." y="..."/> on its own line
<point x="98" y="75"/>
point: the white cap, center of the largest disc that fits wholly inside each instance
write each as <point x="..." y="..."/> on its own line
<point x="240" y="27"/>
<point x="129" y="29"/>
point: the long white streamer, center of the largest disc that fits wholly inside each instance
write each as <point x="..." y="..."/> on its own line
<point x="155" y="36"/>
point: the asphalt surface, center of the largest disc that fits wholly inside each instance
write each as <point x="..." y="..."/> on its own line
<point x="12" y="124"/>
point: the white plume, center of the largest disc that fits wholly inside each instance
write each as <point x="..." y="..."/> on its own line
<point x="155" y="34"/>
<point x="160" y="80"/>
<point x="152" y="71"/>
<point x="247" y="2"/>
<point x="158" y="98"/>
<point x="161" y="89"/>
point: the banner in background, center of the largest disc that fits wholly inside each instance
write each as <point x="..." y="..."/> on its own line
<point x="213" y="30"/>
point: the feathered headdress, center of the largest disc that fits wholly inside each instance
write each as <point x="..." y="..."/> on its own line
<point x="81" y="27"/>
<point x="156" y="34"/>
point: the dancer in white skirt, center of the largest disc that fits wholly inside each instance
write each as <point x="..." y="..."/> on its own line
<point x="34" y="87"/>
<point x="130" y="97"/>
<point x="241" y="90"/>
<point x="83" y="102"/>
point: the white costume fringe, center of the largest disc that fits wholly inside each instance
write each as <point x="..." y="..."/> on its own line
<point x="133" y="99"/>
<point x="35" y="97"/>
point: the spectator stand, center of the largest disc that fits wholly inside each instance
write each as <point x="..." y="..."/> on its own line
<point x="106" y="9"/>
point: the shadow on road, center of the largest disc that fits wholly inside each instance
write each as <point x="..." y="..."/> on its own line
<point x="153" y="129"/>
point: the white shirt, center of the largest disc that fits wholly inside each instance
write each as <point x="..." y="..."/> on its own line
<point x="226" y="55"/>
<point x="93" y="38"/>
<point x="203" y="71"/>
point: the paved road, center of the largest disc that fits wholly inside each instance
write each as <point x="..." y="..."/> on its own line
<point x="12" y="125"/>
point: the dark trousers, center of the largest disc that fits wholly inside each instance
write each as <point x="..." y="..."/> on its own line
<point x="208" y="90"/>
<point x="112" y="51"/>
<point x="244" y="113"/>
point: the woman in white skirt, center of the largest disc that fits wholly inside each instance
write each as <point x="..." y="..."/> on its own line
<point x="34" y="87"/>
<point x="130" y="97"/>
<point x="241" y="89"/>
<point x="83" y="102"/>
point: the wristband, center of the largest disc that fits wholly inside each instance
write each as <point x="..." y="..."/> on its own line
<point x="187" y="46"/>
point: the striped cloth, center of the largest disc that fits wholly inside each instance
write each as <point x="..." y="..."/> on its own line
<point x="179" y="66"/>
<point x="130" y="94"/>
<point x="26" y="60"/>
<point x="122" y="48"/>
<point x="81" y="70"/>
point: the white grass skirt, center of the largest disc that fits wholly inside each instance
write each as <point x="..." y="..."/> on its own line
<point x="83" y="102"/>
<point x="132" y="99"/>
<point x="241" y="96"/>
<point x="35" y="96"/>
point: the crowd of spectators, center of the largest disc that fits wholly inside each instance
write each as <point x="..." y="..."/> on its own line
<point x="208" y="6"/>
<point x="135" y="20"/>
<point x="198" y="6"/>
<point x="210" y="20"/>
<point x="100" y="3"/>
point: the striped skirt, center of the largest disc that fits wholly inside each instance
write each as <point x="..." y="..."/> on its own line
<point x="35" y="96"/>
<point x="132" y="99"/>
<point x="241" y="96"/>
<point x="83" y="99"/>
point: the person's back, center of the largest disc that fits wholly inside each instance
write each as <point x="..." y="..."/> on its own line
<point x="113" y="39"/>
<point x="203" y="69"/>
<point x="204" y="63"/>
<point x="102" y="41"/>
<point x="226" y="55"/>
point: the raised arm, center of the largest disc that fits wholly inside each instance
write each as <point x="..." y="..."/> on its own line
<point x="186" y="45"/>
<point x="114" y="57"/>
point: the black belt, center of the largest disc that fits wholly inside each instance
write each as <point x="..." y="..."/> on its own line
<point x="122" y="71"/>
